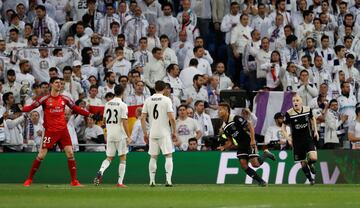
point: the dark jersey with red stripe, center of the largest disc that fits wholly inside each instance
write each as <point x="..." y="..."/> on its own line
<point x="54" y="111"/>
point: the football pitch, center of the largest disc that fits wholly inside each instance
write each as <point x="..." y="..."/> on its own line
<point x="217" y="196"/>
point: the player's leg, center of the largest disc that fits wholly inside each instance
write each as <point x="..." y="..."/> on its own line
<point x="311" y="155"/>
<point x="104" y="165"/>
<point x="311" y="160"/>
<point x="35" y="165"/>
<point x="122" y="151"/>
<point x="300" y="155"/>
<point x="110" y="154"/>
<point x="71" y="165"/>
<point x="167" y="149"/>
<point x="249" y="171"/>
<point x="152" y="169"/>
<point x="122" y="168"/>
<point x="154" y="151"/>
<point x="169" y="169"/>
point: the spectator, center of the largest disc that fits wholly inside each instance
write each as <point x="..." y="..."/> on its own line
<point x="137" y="135"/>
<point x="203" y="119"/>
<point x="187" y="74"/>
<point x="12" y="86"/>
<point x="167" y="24"/>
<point x="306" y="90"/>
<point x="43" y="23"/>
<point x="196" y="91"/>
<point x="192" y="145"/>
<point x="333" y="122"/>
<point x="142" y="56"/>
<point x="169" y="55"/>
<point x="173" y="79"/>
<point x="353" y="133"/>
<point x="182" y="47"/>
<point x="94" y="135"/>
<point x="138" y="97"/>
<point x="135" y="28"/>
<point x="154" y="70"/>
<point x="275" y="138"/>
<point x="186" y="128"/>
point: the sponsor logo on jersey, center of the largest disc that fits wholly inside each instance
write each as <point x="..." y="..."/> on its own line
<point x="301" y="126"/>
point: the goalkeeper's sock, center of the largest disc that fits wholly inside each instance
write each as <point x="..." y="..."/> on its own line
<point x="122" y="167"/>
<point x="104" y="165"/>
<point x="34" y="167"/>
<point x="152" y="169"/>
<point x="251" y="172"/>
<point x="72" y="169"/>
<point x="306" y="171"/>
<point x="168" y="169"/>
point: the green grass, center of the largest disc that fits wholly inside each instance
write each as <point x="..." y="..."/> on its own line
<point x="225" y="196"/>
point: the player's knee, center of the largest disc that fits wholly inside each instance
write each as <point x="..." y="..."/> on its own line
<point x="110" y="158"/>
<point x="122" y="158"/>
<point x="244" y="164"/>
<point x="70" y="155"/>
<point x="255" y="164"/>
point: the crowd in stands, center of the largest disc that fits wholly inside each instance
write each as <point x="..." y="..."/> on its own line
<point x="198" y="47"/>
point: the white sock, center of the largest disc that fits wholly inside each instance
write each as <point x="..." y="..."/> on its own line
<point x="152" y="169"/>
<point x="122" y="167"/>
<point x="104" y="165"/>
<point x="168" y="169"/>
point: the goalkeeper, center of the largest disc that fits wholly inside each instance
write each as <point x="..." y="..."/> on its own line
<point x="239" y="129"/>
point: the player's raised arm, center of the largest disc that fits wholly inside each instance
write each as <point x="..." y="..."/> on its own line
<point x="36" y="103"/>
<point x="69" y="102"/>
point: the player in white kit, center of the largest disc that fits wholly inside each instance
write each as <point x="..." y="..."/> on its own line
<point x="118" y="137"/>
<point x="159" y="109"/>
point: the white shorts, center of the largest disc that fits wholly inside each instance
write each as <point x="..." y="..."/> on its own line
<point x="164" y="144"/>
<point x="119" y="146"/>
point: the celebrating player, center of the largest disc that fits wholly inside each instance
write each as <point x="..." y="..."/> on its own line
<point x="301" y="122"/>
<point x="115" y="115"/>
<point x="159" y="109"/>
<point x="242" y="131"/>
<point x="55" y="128"/>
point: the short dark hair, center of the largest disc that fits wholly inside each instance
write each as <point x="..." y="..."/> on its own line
<point x="343" y="84"/>
<point x="118" y="90"/>
<point x="121" y="36"/>
<point x="53" y="79"/>
<point x="193" y="62"/>
<point x="41" y="7"/>
<point x="324" y="37"/>
<point x="333" y="101"/>
<point x="225" y="105"/>
<point x="167" y="4"/>
<point x="109" y="95"/>
<point x="14" y="30"/>
<point x="11" y="72"/>
<point x="67" y="68"/>
<point x="198" y="102"/>
<point x="94" y="87"/>
<point x="155" y="49"/>
<point x="159" y="86"/>
<point x="192" y="139"/>
<point x="196" y="77"/>
<point x="350" y="56"/>
<point x="6" y="96"/>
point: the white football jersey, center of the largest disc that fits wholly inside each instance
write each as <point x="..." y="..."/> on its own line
<point x="114" y="111"/>
<point x="157" y="106"/>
